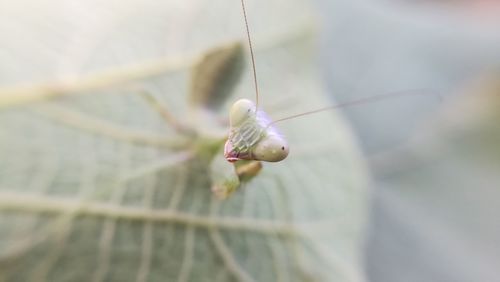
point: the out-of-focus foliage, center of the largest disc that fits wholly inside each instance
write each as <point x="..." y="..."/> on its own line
<point x="95" y="186"/>
<point x="381" y="46"/>
<point x="435" y="197"/>
<point x="442" y="190"/>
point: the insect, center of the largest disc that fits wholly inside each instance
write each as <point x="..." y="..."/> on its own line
<point x="253" y="137"/>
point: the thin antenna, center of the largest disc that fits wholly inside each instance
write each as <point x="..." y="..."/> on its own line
<point x="252" y="56"/>
<point x="375" y="98"/>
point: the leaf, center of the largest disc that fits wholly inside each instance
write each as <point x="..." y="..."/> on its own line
<point x="96" y="186"/>
<point x="215" y="76"/>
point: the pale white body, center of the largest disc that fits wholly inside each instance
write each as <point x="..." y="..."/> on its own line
<point x="251" y="136"/>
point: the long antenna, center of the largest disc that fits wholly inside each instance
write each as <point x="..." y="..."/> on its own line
<point x="252" y="56"/>
<point x="371" y="99"/>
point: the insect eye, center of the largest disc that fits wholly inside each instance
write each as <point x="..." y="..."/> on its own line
<point x="282" y="148"/>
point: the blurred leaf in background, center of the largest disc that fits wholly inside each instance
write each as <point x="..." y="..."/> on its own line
<point x="439" y="197"/>
<point x="435" y="164"/>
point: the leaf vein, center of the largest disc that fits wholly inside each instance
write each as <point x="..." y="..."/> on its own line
<point x="59" y="205"/>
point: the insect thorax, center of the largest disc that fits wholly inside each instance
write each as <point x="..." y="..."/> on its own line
<point x="244" y="137"/>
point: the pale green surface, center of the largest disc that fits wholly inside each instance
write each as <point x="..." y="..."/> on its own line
<point x="90" y="191"/>
<point x="442" y="189"/>
<point x="435" y="208"/>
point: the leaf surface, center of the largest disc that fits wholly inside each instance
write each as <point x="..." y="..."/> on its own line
<point x="96" y="186"/>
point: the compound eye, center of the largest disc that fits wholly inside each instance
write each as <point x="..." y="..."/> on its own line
<point x="272" y="149"/>
<point x="240" y="111"/>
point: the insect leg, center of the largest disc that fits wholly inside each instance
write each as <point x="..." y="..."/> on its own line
<point x="164" y="112"/>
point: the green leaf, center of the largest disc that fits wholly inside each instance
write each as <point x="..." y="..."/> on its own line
<point x="96" y="186"/>
<point x="215" y="75"/>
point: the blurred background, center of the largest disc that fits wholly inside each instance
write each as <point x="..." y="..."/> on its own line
<point x="436" y="164"/>
<point x="433" y="159"/>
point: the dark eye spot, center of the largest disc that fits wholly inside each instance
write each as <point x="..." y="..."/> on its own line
<point x="283" y="148"/>
<point x="248" y="110"/>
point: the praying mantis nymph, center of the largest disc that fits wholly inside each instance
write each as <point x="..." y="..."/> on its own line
<point x="253" y="137"/>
